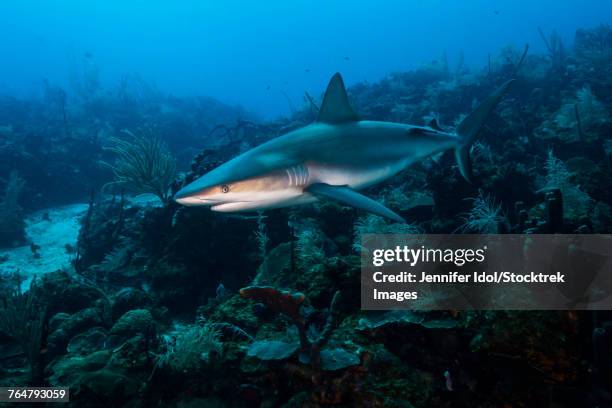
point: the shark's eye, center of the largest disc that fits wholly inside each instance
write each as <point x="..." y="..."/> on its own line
<point x="225" y="188"/>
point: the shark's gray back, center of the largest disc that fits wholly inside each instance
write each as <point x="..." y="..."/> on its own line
<point x="361" y="144"/>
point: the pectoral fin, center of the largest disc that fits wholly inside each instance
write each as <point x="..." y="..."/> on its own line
<point x="352" y="198"/>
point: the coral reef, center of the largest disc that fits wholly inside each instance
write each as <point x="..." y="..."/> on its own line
<point x="191" y="347"/>
<point x="12" y="225"/>
<point x="143" y="165"/>
<point x="153" y="314"/>
<point x="23" y="317"/>
<point x="576" y="203"/>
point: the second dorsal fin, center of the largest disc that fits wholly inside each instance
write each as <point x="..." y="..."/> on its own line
<point x="335" y="107"/>
<point x="433" y="123"/>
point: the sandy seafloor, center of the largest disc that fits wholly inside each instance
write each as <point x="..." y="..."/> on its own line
<point x="55" y="231"/>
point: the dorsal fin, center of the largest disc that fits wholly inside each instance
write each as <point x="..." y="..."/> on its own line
<point x="433" y="123"/>
<point x="335" y="107"/>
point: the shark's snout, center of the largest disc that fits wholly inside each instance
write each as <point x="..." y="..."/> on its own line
<point x="189" y="196"/>
<point x="179" y="195"/>
<point x="189" y="201"/>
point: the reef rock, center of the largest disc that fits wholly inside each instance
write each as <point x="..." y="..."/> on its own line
<point x="267" y="350"/>
<point x="94" y="339"/>
<point x="133" y="322"/>
<point x="128" y="299"/>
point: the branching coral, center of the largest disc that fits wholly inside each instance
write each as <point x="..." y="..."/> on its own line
<point x="484" y="217"/>
<point x="555" y="47"/>
<point x="261" y="236"/>
<point x="12" y="225"/>
<point x="310" y="247"/>
<point x="575" y="201"/>
<point x="280" y="301"/>
<point x="289" y="304"/>
<point x="508" y="61"/>
<point x="84" y="79"/>
<point x="23" y="318"/>
<point x="144" y="165"/>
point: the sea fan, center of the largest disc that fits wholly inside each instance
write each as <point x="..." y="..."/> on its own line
<point x="117" y="258"/>
<point x="144" y="165"/>
<point x="578" y="118"/>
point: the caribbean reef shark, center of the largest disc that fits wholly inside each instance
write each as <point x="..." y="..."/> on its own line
<point x="331" y="159"/>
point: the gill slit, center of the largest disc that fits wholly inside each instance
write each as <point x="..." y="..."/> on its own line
<point x="298" y="175"/>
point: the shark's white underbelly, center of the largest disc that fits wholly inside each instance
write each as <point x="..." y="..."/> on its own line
<point x="301" y="176"/>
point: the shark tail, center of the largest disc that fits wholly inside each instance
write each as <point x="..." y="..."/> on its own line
<point x="469" y="127"/>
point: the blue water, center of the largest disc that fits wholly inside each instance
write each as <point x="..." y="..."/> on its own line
<point x="259" y="54"/>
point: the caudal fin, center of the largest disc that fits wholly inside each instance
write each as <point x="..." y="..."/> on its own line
<point x="469" y="127"/>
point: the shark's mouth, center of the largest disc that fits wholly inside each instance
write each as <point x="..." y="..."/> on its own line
<point x="233" y="206"/>
<point x="190" y="201"/>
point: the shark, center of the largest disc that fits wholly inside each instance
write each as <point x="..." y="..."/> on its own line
<point x="333" y="158"/>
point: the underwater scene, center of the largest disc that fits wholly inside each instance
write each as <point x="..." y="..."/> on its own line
<point x="185" y="187"/>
